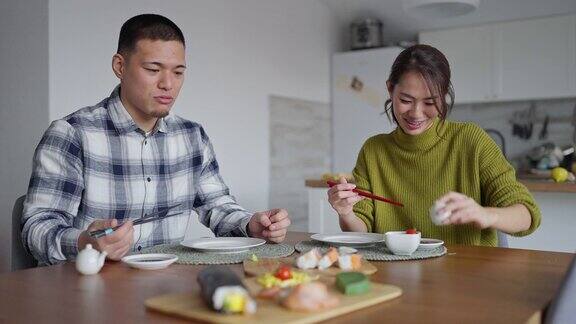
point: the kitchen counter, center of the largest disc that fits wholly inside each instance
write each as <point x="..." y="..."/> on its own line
<point x="533" y="185"/>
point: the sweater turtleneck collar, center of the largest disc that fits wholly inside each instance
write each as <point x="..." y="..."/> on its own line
<point x="423" y="141"/>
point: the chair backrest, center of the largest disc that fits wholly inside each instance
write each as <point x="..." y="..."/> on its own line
<point x="21" y="258"/>
<point x="502" y="239"/>
<point x="562" y="308"/>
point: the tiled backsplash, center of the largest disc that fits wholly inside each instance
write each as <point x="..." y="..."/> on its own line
<point x="498" y="115"/>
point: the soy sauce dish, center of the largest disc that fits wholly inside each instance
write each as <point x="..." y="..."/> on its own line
<point x="429" y="243"/>
<point x="152" y="261"/>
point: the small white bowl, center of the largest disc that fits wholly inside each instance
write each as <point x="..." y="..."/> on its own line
<point x="401" y="243"/>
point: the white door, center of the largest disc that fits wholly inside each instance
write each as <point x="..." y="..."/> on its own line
<point x="536" y="58"/>
<point x="358" y="96"/>
<point x="469" y="53"/>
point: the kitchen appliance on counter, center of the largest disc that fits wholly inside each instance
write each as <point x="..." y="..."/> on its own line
<point x="365" y="33"/>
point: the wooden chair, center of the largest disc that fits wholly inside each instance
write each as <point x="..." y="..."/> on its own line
<point x="502" y="239"/>
<point x="21" y="258"/>
<point x="562" y="309"/>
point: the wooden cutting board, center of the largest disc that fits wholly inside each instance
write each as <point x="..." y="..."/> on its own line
<point x="263" y="265"/>
<point x="191" y="306"/>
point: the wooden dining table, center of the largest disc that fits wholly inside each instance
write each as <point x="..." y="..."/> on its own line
<point x="470" y="284"/>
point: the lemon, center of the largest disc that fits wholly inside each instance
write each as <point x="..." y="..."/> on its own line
<point x="559" y="174"/>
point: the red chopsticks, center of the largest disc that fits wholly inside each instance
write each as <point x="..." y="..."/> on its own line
<point x="368" y="194"/>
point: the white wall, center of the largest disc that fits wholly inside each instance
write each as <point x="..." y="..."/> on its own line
<point x="23" y="103"/>
<point x="238" y="53"/>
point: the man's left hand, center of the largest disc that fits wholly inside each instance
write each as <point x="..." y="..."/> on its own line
<point x="270" y="225"/>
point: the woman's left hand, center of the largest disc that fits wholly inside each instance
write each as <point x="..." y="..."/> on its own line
<point x="465" y="210"/>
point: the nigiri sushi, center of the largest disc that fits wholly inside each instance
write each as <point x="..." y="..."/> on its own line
<point x="343" y="250"/>
<point x="328" y="259"/>
<point x="309" y="260"/>
<point x="310" y="297"/>
<point x="224" y="292"/>
<point x="350" y="262"/>
<point x="437" y="215"/>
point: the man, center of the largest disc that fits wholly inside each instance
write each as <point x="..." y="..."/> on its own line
<point x="127" y="156"/>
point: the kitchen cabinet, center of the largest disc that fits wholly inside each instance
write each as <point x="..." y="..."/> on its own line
<point x="321" y="216"/>
<point x="469" y="52"/>
<point x="516" y="60"/>
<point x="536" y="58"/>
<point x="556" y="231"/>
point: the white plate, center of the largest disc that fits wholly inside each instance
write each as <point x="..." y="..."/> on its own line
<point x="223" y="244"/>
<point x="150" y="261"/>
<point x="429" y="243"/>
<point x="349" y="238"/>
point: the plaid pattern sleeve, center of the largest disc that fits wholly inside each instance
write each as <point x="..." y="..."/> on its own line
<point x="96" y="164"/>
<point x="55" y="188"/>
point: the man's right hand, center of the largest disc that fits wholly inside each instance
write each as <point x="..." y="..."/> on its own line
<point x="116" y="244"/>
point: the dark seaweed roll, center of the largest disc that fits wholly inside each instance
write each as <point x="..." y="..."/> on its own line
<point x="223" y="291"/>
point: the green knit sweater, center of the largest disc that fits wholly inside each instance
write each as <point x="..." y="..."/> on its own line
<point x="417" y="170"/>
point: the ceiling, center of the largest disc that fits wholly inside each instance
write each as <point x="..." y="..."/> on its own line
<point x="399" y="26"/>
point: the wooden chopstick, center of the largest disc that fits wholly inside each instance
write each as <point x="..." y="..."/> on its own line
<point x="139" y="221"/>
<point x="157" y="215"/>
<point x="368" y="194"/>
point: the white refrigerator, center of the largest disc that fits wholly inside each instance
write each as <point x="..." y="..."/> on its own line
<point x="358" y="93"/>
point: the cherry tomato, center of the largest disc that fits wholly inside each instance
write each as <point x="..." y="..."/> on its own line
<point x="283" y="273"/>
<point x="411" y="231"/>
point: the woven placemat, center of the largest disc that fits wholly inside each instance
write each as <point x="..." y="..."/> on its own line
<point x="189" y="256"/>
<point x="376" y="252"/>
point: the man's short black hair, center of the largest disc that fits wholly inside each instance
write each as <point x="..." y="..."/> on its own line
<point x="147" y="26"/>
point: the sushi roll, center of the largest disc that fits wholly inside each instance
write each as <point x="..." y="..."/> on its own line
<point x="328" y="259"/>
<point x="350" y="262"/>
<point x="224" y="292"/>
<point x="309" y="260"/>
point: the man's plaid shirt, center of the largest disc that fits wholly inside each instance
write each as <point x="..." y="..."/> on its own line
<point x="97" y="164"/>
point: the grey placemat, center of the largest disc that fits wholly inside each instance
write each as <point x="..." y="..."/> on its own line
<point x="189" y="256"/>
<point x="377" y="252"/>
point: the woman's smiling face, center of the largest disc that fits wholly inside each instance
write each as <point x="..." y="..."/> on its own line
<point x="413" y="105"/>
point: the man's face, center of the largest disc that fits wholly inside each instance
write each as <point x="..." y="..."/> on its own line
<point x="150" y="77"/>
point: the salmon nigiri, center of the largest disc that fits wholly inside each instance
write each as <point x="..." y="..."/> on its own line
<point x="328" y="259"/>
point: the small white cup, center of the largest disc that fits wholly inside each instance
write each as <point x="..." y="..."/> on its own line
<point x="401" y="243"/>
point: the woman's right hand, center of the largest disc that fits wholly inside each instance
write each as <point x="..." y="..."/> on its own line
<point x="342" y="198"/>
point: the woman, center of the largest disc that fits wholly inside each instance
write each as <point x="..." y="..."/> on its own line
<point x="428" y="159"/>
